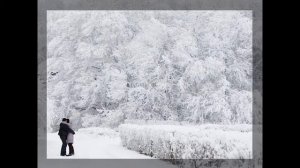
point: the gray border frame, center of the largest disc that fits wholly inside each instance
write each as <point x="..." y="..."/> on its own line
<point x="44" y="5"/>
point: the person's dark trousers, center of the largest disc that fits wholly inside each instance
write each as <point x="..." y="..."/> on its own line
<point x="71" y="149"/>
<point x="64" y="145"/>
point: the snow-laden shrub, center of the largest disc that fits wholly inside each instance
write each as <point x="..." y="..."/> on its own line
<point x="89" y="120"/>
<point x="189" y="142"/>
<point x="153" y="122"/>
<point x="75" y="120"/>
<point x="114" y="119"/>
<point x="96" y="131"/>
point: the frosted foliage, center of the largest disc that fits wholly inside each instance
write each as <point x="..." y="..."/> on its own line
<point x="116" y="81"/>
<point x="107" y="66"/>
<point x="189" y="142"/>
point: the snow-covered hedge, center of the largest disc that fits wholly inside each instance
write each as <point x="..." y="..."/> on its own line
<point x="189" y="142"/>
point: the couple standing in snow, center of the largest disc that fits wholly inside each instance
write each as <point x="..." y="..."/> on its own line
<point x="66" y="135"/>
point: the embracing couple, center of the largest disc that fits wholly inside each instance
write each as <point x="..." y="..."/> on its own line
<point x="66" y="135"/>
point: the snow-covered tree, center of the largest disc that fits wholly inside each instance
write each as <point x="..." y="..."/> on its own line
<point x="107" y="66"/>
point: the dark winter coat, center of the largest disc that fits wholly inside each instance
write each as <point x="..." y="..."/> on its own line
<point x="64" y="129"/>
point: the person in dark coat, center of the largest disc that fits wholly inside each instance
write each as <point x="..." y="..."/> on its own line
<point x="63" y="132"/>
<point x="70" y="141"/>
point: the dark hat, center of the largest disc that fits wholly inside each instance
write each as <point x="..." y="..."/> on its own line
<point x="64" y="119"/>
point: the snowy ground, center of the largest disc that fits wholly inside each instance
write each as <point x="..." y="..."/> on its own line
<point x="207" y="141"/>
<point x="93" y="143"/>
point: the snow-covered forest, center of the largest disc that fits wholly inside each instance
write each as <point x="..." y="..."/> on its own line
<point x="108" y="66"/>
<point x="120" y="69"/>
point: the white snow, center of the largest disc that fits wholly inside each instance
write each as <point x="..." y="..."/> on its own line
<point x="193" y="66"/>
<point x="186" y="67"/>
<point x="92" y="143"/>
<point x="207" y="141"/>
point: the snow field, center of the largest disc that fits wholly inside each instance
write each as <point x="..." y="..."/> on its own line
<point x="92" y="143"/>
<point x="189" y="142"/>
